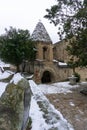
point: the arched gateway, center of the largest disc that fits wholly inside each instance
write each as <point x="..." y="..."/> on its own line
<point x="46" y="77"/>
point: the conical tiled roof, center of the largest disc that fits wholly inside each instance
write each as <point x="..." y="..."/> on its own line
<point x="40" y="33"/>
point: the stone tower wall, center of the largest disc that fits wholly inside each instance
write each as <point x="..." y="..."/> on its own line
<point x="44" y="51"/>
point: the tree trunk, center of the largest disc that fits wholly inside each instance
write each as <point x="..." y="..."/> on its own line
<point x="74" y="70"/>
<point x="18" y="68"/>
<point x="23" y="66"/>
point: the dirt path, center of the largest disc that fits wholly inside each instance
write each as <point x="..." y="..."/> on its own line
<point x="73" y="106"/>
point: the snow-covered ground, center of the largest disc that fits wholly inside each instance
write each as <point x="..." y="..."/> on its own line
<point x="59" y="87"/>
<point x="54" y="118"/>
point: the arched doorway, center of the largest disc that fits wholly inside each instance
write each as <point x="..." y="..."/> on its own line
<point x="46" y="77"/>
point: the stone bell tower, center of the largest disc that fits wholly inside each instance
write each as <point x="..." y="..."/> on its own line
<point x="43" y="43"/>
<point x="44" y="54"/>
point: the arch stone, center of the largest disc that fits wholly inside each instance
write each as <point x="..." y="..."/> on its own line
<point x="50" y="72"/>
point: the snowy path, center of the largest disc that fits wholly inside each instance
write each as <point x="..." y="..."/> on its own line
<point x="43" y="114"/>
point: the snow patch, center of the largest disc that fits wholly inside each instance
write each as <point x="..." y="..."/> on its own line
<point x="60" y="87"/>
<point x="16" y="78"/>
<point x="2" y="64"/>
<point x="72" y="104"/>
<point x="38" y="123"/>
<point x="62" y="64"/>
<point x="2" y="88"/>
<point x="5" y="74"/>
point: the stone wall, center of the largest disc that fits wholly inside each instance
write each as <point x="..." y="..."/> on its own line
<point x="46" y="54"/>
<point x="60" y="52"/>
<point x="56" y="73"/>
<point x="83" y="73"/>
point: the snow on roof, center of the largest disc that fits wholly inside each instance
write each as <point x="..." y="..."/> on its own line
<point x="41" y="34"/>
<point x="55" y="61"/>
<point x="62" y="64"/>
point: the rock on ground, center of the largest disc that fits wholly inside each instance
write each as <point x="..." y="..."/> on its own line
<point x="12" y="105"/>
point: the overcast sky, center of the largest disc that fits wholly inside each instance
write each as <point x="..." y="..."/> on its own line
<point x="25" y="14"/>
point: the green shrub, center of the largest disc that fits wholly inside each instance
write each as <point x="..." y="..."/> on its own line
<point x="78" y="77"/>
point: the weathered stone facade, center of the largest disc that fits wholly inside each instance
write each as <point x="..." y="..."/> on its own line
<point x="62" y="55"/>
<point x="60" y="52"/>
<point x="46" y="66"/>
<point x="51" y="58"/>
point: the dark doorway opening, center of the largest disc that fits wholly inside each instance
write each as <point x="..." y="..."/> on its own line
<point x="46" y="78"/>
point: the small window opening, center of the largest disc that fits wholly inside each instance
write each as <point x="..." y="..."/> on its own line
<point x="44" y="52"/>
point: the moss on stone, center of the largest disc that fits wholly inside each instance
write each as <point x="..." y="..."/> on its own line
<point x="13" y="96"/>
<point x="12" y="106"/>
